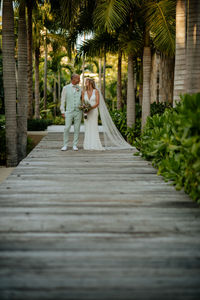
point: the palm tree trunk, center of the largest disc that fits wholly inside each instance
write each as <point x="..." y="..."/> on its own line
<point x="100" y="73"/>
<point x="9" y="82"/>
<point x="59" y="84"/>
<point x="146" y="80"/>
<point x="130" y="93"/>
<point x="166" y="79"/>
<point x="154" y="77"/>
<point x="83" y="72"/>
<point x="119" y="81"/>
<point x="180" y="56"/>
<point x="45" y="72"/>
<point x="193" y="46"/>
<point x="22" y="91"/>
<point x="104" y="76"/>
<point x="54" y="97"/>
<point x="37" y="90"/>
<point x="30" y="61"/>
<point x="141" y="84"/>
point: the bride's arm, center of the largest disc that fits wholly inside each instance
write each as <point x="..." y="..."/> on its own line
<point x="97" y="99"/>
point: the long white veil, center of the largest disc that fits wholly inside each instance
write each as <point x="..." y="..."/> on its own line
<point x="112" y="137"/>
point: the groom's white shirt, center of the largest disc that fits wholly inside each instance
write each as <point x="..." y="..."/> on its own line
<point x="70" y="97"/>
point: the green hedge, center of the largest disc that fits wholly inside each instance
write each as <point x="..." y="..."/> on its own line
<point x="38" y="124"/>
<point x="172" y="142"/>
<point x="131" y="133"/>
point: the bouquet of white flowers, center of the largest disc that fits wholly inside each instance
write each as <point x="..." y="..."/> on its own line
<point x="85" y="107"/>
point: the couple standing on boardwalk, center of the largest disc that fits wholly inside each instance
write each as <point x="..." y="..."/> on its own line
<point x="72" y="98"/>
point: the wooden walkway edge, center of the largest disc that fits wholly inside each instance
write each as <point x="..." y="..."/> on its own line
<point x="95" y="225"/>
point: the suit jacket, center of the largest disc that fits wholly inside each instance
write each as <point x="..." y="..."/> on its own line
<point x="70" y="98"/>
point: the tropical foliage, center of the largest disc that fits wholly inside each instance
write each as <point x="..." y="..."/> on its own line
<point x="172" y="142"/>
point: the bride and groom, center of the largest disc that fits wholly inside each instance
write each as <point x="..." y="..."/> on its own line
<point x="72" y="97"/>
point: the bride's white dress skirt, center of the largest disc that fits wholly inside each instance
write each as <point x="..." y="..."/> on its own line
<point x="91" y="139"/>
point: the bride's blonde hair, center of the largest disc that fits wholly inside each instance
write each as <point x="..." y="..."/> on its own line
<point x="92" y="82"/>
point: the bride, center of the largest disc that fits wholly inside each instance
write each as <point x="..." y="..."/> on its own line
<point x="91" y="96"/>
<point x="112" y="139"/>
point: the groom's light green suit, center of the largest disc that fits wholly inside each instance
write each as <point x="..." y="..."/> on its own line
<point x="71" y="99"/>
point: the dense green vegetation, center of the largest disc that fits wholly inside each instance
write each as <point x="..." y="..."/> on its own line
<point x="38" y="124"/>
<point x="172" y="142"/>
<point x="131" y="133"/>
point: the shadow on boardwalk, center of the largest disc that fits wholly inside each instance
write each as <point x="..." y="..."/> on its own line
<point x="95" y="225"/>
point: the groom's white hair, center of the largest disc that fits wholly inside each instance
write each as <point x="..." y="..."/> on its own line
<point x="74" y="75"/>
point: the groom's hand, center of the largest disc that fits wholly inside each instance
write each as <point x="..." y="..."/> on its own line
<point x="63" y="115"/>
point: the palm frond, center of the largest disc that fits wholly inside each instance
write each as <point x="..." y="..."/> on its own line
<point x="69" y="10"/>
<point x="110" y="14"/>
<point x="99" y="44"/>
<point x="160" y="18"/>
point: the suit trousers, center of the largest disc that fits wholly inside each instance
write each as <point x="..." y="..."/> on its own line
<point x="70" y="116"/>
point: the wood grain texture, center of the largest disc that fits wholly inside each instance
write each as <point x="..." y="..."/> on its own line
<point x="95" y="225"/>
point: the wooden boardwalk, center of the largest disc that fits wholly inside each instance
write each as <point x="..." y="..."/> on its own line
<point x="95" y="225"/>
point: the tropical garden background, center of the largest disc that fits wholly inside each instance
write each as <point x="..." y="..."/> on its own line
<point x="144" y="56"/>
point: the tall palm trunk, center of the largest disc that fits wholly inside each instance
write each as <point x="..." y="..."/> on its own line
<point x="119" y="81"/>
<point x="193" y="46"/>
<point x="45" y="71"/>
<point x="83" y="72"/>
<point x="9" y="82"/>
<point x="100" y="73"/>
<point x="22" y="91"/>
<point x="146" y="80"/>
<point x="155" y="66"/>
<point x="30" y="61"/>
<point x="37" y="90"/>
<point x="59" y="84"/>
<point x="180" y="57"/>
<point x="166" y="79"/>
<point x="54" y="97"/>
<point x="104" y="76"/>
<point x="130" y="93"/>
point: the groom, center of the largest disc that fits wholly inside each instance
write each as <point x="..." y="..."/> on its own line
<point x="71" y="97"/>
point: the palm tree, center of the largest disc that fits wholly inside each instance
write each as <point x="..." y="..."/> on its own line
<point x="30" y="60"/>
<point x="119" y="80"/>
<point x="9" y="81"/>
<point x="146" y="79"/>
<point x="193" y="43"/>
<point x="180" y="57"/>
<point x="130" y="92"/>
<point x="159" y="17"/>
<point x="22" y="91"/>
<point x="37" y="90"/>
<point x="37" y="39"/>
<point x="45" y="69"/>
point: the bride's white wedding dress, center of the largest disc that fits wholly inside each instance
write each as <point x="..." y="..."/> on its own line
<point x="92" y="140"/>
<point x="112" y="138"/>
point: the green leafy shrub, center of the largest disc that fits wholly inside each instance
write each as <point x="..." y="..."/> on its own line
<point x="59" y="121"/>
<point x="172" y="142"/>
<point x="159" y="108"/>
<point x="30" y="145"/>
<point x="131" y="133"/>
<point x="38" y="124"/>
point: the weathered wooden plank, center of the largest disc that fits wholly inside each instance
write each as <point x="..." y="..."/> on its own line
<point x="95" y="225"/>
<point x="115" y="293"/>
<point x="146" y="244"/>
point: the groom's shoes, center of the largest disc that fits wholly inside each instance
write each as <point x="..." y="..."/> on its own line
<point x="75" y="148"/>
<point x="64" y="148"/>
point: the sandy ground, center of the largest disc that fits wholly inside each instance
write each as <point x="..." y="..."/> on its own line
<point x="36" y="136"/>
<point x="4" y="173"/>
